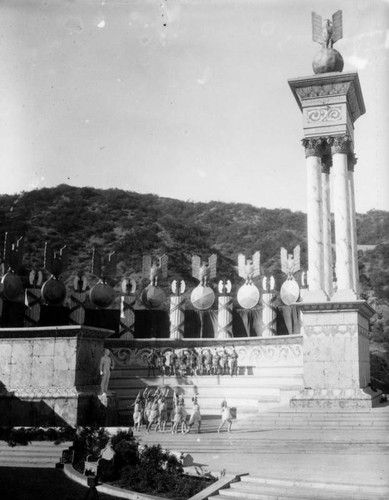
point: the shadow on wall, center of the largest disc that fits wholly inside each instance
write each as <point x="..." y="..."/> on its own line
<point x="34" y="411"/>
<point x="17" y="412"/>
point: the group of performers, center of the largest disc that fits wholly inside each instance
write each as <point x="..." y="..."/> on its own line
<point x="193" y="363"/>
<point x="151" y="409"/>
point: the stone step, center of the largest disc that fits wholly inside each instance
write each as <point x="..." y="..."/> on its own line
<point x="24" y="464"/>
<point x="208" y="380"/>
<point x="41" y="454"/>
<point x="257" y="488"/>
<point x="244" y="371"/>
<point x="268" y="493"/>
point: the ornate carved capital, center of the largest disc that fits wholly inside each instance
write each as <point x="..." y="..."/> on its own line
<point x="313" y="146"/>
<point x="340" y="144"/>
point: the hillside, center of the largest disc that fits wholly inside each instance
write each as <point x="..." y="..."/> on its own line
<point x="133" y="224"/>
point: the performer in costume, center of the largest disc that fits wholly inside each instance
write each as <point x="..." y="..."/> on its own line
<point x="195" y="417"/>
<point x="226" y="416"/>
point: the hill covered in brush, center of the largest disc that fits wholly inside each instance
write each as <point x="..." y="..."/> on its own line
<point x="133" y="224"/>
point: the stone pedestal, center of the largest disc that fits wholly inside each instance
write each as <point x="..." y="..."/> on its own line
<point x="50" y="376"/>
<point x="336" y="356"/>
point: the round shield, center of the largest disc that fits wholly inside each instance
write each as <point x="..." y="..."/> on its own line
<point x="248" y="296"/>
<point x="290" y="292"/>
<point x="153" y="296"/>
<point x="53" y="291"/>
<point x="102" y="295"/>
<point x="12" y="286"/>
<point x="202" y="297"/>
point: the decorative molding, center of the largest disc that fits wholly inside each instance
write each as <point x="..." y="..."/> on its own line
<point x="361" y="306"/>
<point x="324" y="114"/>
<point x="40" y="392"/>
<point x="269" y="355"/>
<point x="323" y="90"/>
<point x="330" y="330"/>
<point x="328" y="88"/>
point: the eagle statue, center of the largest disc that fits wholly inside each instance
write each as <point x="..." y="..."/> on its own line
<point x="329" y="32"/>
<point x="153" y="269"/>
<point x="290" y="263"/>
<point x="204" y="271"/>
<point x="250" y="268"/>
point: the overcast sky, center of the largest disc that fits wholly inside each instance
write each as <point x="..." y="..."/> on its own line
<point x="182" y="98"/>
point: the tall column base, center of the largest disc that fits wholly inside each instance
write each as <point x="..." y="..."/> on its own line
<point x="336" y="356"/>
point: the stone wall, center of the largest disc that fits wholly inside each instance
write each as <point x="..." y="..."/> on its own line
<point x="49" y="375"/>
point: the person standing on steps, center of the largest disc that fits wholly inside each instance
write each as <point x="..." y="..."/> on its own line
<point x="195" y="416"/>
<point x="151" y="362"/>
<point x="233" y="362"/>
<point x="226" y="416"/>
<point x="106" y="365"/>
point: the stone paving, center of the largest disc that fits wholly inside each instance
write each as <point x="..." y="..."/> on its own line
<point x="333" y="455"/>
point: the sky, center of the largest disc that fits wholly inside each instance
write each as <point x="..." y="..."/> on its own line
<point x="185" y="99"/>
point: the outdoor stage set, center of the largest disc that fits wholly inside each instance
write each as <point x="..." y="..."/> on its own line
<point x="303" y="346"/>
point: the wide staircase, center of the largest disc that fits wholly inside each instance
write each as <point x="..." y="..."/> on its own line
<point x="252" y="391"/>
<point x="287" y="453"/>
<point x="257" y="488"/>
<point x="38" y="454"/>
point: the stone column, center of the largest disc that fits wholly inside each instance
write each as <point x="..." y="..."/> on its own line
<point x="340" y="148"/>
<point x="177" y="316"/>
<point x="354" y="249"/>
<point x="327" y="236"/>
<point x="127" y="317"/>
<point x="224" y="317"/>
<point x="269" y="314"/>
<point x="313" y="152"/>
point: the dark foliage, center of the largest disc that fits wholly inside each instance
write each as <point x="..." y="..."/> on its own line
<point x="88" y="441"/>
<point x="24" y="436"/>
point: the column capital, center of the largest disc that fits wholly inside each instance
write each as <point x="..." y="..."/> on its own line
<point x="314" y="146"/>
<point x="340" y="144"/>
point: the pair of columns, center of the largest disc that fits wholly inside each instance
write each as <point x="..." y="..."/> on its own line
<point x="324" y="155"/>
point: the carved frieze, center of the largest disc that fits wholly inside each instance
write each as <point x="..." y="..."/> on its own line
<point x="40" y="392"/>
<point x="324" y="114"/>
<point x="323" y="90"/>
<point x="331" y="330"/>
<point x="266" y="354"/>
